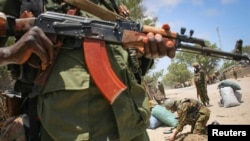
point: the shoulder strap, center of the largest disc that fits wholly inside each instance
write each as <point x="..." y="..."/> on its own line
<point x="95" y="10"/>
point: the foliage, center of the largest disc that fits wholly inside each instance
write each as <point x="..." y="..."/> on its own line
<point x="137" y="12"/>
<point x="228" y="63"/>
<point x="207" y="63"/>
<point x="246" y="49"/>
<point x="152" y="78"/>
<point x="177" y="73"/>
<point x="9" y="42"/>
<point x="5" y="78"/>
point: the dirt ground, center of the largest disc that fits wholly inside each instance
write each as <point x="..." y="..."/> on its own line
<point x="232" y="115"/>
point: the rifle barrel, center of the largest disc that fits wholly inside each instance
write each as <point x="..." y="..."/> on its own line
<point x="213" y="52"/>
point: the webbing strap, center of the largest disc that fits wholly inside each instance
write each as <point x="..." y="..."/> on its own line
<point x="95" y="10"/>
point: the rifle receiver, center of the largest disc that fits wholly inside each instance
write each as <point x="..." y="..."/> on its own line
<point x="189" y="39"/>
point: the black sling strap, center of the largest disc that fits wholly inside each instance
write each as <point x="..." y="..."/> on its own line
<point x="30" y="104"/>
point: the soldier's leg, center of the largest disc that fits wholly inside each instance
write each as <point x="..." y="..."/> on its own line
<point x="202" y="98"/>
<point x="192" y="128"/>
<point x="200" y="125"/>
<point x="206" y="96"/>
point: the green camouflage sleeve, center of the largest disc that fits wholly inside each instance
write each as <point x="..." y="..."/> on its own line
<point x="182" y="114"/>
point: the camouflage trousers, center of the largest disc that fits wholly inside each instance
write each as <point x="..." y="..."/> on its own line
<point x="199" y="127"/>
<point x="202" y="93"/>
<point x="82" y="115"/>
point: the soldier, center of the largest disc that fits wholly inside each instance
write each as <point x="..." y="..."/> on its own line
<point x="234" y="74"/>
<point x="160" y="93"/>
<point x="161" y="89"/>
<point x="190" y="112"/>
<point x="72" y="101"/>
<point x="200" y="84"/>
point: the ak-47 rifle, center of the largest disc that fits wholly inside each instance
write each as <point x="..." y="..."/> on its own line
<point x="107" y="15"/>
<point x="88" y="31"/>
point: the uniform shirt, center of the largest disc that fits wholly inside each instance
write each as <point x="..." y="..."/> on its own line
<point x="131" y="109"/>
<point x="199" y="77"/>
<point x="187" y="111"/>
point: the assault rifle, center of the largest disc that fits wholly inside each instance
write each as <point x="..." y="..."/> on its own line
<point x="92" y="35"/>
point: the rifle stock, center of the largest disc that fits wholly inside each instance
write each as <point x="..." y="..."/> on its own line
<point x="122" y="32"/>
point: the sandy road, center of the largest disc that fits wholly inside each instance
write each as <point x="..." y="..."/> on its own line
<point x="232" y="115"/>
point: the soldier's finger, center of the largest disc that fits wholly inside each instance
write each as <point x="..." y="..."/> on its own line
<point x="46" y="44"/>
<point x="162" y="51"/>
<point x="152" y="45"/>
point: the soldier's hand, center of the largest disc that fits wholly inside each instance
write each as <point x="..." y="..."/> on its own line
<point x="155" y="46"/>
<point x="13" y="128"/>
<point x="35" y="42"/>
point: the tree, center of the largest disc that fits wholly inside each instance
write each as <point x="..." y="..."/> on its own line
<point x="207" y="63"/>
<point x="177" y="73"/>
<point x="152" y="78"/>
<point x="137" y="12"/>
<point x="246" y="49"/>
<point x="228" y="63"/>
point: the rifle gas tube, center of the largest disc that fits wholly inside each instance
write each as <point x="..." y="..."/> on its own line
<point x="200" y="47"/>
<point x="121" y="31"/>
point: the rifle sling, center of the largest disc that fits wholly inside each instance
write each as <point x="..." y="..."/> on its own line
<point x="100" y="69"/>
<point x="94" y="9"/>
<point x="42" y="77"/>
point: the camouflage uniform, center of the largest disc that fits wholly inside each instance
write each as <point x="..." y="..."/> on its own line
<point x="192" y="112"/>
<point x="201" y="86"/>
<point x="72" y="108"/>
<point x="235" y="74"/>
<point x="161" y="89"/>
